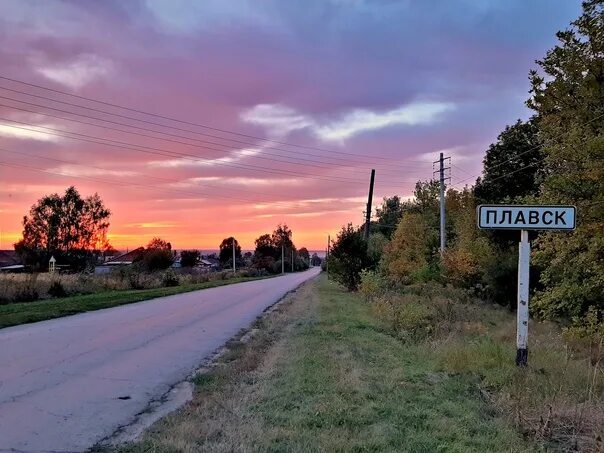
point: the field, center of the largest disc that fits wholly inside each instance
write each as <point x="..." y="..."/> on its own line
<point x="331" y="371"/>
<point x="84" y="292"/>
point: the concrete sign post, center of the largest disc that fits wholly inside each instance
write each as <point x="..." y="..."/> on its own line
<point x="525" y="218"/>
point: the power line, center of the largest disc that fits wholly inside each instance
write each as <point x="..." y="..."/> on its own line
<point x="167" y="153"/>
<point x="528" y="151"/>
<point x="264" y="139"/>
<point x="227" y="147"/>
<point x="166" y="180"/>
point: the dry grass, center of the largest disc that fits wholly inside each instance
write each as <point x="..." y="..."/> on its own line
<point x="31" y="287"/>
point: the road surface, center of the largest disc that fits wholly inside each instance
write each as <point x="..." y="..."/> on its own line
<point x="67" y="383"/>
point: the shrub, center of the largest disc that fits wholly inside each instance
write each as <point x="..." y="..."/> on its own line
<point x="372" y="284"/>
<point x="170" y="278"/>
<point x="56" y="289"/>
<point x="26" y="290"/>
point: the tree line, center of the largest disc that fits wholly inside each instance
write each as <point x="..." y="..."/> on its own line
<point x="74" y="229"/>
<point x="555" y="157"/>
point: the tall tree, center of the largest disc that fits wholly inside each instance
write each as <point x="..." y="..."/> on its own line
<point x="68" y="226"/>
<point x="226" y="251"/>
<point x="265" y="247"/>
<point x="568" y="96"/>
<point x="389" y="215"/>
<point x="513" y="166"/>
<point x="282" y="236"/>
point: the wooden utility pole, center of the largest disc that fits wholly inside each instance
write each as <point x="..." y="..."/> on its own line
<point x="369" y="202"/>
<point x="282" y="259"/>
<point x="292" y="260"/>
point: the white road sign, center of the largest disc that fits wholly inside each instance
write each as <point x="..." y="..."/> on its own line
<point x="526" y="217"/>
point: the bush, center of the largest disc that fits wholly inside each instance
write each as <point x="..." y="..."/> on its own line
<point x="170" y="278"/>
<point x="56" y="289"/>
<point x="372" y="284"/>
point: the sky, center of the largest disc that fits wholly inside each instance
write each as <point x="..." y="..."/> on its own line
<point x="225" y="118"/>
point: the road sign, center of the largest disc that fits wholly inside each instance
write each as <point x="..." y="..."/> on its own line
<point x="526" y="217"/>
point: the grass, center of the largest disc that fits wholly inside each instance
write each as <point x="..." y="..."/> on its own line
<point x="27" y="312"/>
<point x="325" y="374"/>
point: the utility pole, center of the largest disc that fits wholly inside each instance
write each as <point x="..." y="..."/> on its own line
<point x="369" y="202"/>
<point x="234" y="269"/>
<point x="441" y="173"/>
<point x="522" y="312"/>
<point x="327" y="256"/>
<point x="292" y="260"/>
<point x="282" y="259"/>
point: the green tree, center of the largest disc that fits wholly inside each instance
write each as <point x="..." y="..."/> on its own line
<point x="568" y="97"/>
<point x="69" y="227"/>
<point x="513" y="166"/>
<point x="189" y="258"/>
<point x="389" y="215"/>
<point x="348" y="257"/>
<point x="226" y="251"/>
<point x="375" y="247"/>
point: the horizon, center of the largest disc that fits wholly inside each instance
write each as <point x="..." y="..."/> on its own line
<point x="230" y="141"/>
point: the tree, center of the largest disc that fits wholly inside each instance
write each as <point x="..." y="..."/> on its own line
<point x="304" y="254"/>
<point x="348" y="257"/>
<point x="409" y="256"/>
<point x="389" y="215"/>
<point x="568" y="97"/>
<point x="282" y="237"/>
<point x="375" y="247"/>
<point x="68" y="226"/>
<point x="265" y="247"/>
<point x="265" y="253"/>
<point x="159" y="244"/>
<point x="513" y="166"/>
<point x="226" y="251"/>
<point x="158" y="255"/>
<point x="316" y="260"/>
<point x="189" y="258"/>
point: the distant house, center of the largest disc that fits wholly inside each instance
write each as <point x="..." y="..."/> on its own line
<point x="10" y="261"/>
<point x="209" y="263"/>
<point x="125" y="259"/>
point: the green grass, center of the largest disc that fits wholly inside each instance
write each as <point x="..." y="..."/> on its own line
<point x="27" y="312"/>
<point x="349" y="386"/>
<point x="333" y="380"/>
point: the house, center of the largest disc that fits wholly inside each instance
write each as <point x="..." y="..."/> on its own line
<point x="209" y="264"/>
<point x="125" y="259"/>
<point x="10" y="261"/>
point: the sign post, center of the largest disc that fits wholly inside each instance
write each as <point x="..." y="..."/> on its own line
<point x="525" y="218"/>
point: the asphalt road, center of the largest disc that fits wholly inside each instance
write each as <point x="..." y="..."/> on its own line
<point x="67" y="383"/>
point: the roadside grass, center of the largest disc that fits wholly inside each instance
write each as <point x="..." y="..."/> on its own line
<point x="323" y="373"/>
<point x="27" y="312"/>
<point x="557" y="401"/>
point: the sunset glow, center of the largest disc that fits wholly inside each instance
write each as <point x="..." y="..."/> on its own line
<point x="334" y="89"/>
